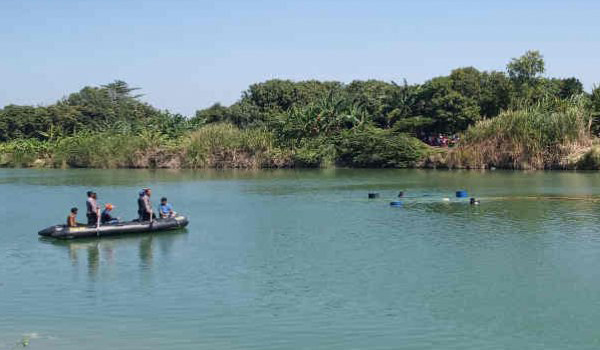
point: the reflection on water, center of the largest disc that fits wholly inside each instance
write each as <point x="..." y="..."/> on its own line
<point x="97" y="252"/>
<point x="93" y="259"/>
<point x="145" y="252"/>
<point x="128" y="177"/>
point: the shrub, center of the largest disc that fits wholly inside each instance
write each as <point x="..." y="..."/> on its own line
<point x="536" y="137"/>
<point x="373" y="147"/>
<point x="224" y="145"/>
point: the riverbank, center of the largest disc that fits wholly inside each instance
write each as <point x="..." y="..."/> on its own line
<point x="200" y="155"/>
<point x="216" y="146"/>
<point x="518" y="140"/>
<point x="506" y="120"/>
<point x="555" y="134"/>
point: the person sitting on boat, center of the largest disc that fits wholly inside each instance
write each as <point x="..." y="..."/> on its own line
<point x="106" y="218"/>
<point x="92" y="208"/>
<point x="72" y="218"/>
<point x="166" y="209"/>
<point x="145" y="206"/>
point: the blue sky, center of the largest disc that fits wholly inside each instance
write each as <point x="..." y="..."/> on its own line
<point x="188" y="54"/>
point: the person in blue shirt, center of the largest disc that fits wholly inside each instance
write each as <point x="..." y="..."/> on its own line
<point x="166" y="209"/>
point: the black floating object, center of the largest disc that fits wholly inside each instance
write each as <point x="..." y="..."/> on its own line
<point x="373" y="195"/>
<point x="400" y="194"/>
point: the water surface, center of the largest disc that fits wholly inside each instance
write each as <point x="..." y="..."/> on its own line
<point x="303" y="260"/>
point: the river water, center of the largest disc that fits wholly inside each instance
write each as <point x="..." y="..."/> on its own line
<point x="304" y="260"/>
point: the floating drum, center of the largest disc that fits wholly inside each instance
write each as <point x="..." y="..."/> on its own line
<point x="461" y="194"/>
<point x="373" y="195"/>
<point x="396" y="204"/>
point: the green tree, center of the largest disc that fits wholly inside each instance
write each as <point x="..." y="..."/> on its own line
<point x="376" y="97"/>
<point x="527" y="68"/>
<point x="449" y="110"/>
<point x="496" y="92"/>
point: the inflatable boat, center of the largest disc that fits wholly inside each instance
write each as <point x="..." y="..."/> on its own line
<point x="120" y="228"/>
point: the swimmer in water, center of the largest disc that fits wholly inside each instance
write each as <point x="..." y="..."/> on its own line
<point x="474" y="201"/>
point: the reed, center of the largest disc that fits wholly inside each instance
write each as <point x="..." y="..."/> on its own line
<point x="24" y="152"/>
<point x="541" y="136"/>
<point x="226" y="146"/>
<point x="110" y="150"/>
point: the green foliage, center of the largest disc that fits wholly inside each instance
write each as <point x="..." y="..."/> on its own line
<point x="316" y="152"/>
<point x="23" y="152"/>
<point x="224" y="145"/>
<point x="590" y="160"/>
<point x="595" y="107"/>
<point x="95" y="109"/>
<point x="414" y="125"/>
<point x="280" y="95"/>
<point x="450" y="110"/>
<point x="373" y="147"/>
<point x="527" y="68"/>
<point x="536" y="136"/>
<point x="375" y="97"/>
<point x="329" y="115"/>
<point x="308" y="123"/>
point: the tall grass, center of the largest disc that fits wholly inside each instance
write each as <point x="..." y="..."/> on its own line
<point x="215" y="146"/>
<point x="107" y="150"/>
<point x="541" y="136"/>
<point x="25" y="152"/>
<point x="226" y="146"/>
<point x="92" y="150"/>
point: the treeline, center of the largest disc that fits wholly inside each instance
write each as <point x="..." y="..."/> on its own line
<point x="308" y="123"/>
<point x="111" y="107"/>
<point x="446" y="104"/>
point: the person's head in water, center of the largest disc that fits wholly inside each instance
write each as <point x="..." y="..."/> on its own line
<point x="474" y="201"/>
<point x="74" y="210"/>
<point x="163" y="200"/>
<point x="401" y="194"/>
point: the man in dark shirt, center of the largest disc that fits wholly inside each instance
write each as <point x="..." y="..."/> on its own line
<point x="92" y="208"/>
<point x="144" y="205"/>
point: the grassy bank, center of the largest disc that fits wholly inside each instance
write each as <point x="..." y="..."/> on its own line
<point x="215" y="146"/>
<point x="552" y="134"/>
<point x="218" y="145"/>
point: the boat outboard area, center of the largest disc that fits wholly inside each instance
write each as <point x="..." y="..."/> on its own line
<point x="115" y="229"/>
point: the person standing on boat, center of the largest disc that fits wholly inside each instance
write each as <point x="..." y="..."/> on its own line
<point x="144" y="205"/>
<point x="92" y="208"/>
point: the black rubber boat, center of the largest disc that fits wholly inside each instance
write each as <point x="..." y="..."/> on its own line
<point x="121" y="228"/>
